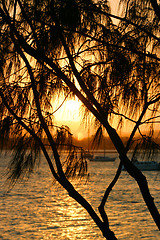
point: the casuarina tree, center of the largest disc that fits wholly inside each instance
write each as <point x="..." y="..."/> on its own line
<point x="78" y="48"/>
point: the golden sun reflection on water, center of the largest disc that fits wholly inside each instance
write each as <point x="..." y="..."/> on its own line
<point x="72" y="218"/>
<point x="41" y="211"/>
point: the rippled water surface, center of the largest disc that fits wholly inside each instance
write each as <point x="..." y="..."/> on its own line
<point x="37" y="209"/>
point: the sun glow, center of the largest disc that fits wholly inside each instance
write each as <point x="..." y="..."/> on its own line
<point x="72" y="105"/>
<point x="69" y="111"/>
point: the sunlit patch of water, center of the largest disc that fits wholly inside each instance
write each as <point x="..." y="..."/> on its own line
<point x="37" y="209"/>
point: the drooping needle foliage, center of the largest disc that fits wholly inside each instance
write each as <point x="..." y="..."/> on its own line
<point x="78" y="48"/>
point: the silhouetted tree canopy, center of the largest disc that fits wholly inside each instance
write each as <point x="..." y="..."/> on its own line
<point x="78" y="48"/>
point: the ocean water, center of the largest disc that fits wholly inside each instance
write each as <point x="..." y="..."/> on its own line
<point x="39" y="209"/>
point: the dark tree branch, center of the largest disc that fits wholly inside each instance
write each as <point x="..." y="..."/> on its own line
<point x="23" y="47"/>
<point x="156" y="7"/>
<point x="31" y="132"/>
<point x="106" y="194"/>
<point x="124" y="19"/>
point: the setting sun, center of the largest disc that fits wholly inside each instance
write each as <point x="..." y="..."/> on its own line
<point x="69" y="111"/>
<point x="72" y="105"/>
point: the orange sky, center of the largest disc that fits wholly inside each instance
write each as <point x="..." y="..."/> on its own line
<point x="70" y="114"/>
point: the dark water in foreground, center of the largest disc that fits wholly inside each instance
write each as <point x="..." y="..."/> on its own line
<point x="37" y="209"/>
